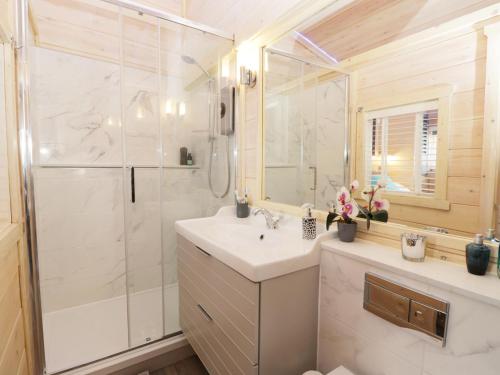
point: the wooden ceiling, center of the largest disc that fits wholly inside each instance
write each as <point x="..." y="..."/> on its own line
<point x="367" y="24"/>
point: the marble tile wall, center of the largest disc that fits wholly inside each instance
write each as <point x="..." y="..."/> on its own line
<point x="92" y="240"/>
<point x="76" y="110"/>
<point x="331" y="108"/>
<point x="80" y="231"/>
<point x="305" y="130"/>
<point x="367" y="344"/>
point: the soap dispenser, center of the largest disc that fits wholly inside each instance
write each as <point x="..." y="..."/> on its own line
<point x="308" y="223"/>
<point x="477" y="256"/>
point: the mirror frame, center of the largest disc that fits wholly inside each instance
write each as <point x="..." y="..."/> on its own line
<point x="443" y="246"/>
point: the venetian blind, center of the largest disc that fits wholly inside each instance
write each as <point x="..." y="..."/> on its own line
<point x="401" y="147"/>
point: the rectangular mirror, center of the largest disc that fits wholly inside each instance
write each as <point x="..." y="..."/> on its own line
<point x="306" y="111"/>
<point x="416" y="106"/>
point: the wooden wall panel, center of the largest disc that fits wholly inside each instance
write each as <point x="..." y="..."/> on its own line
<point x="6" y="20"/>
<point x="459" y="62"/>
<point x="466" y="133"/>
<point x="15" y="355"/>
<point x="10" y="308"/>
<point x="464" y="162"/>
<point x="464" y="190"/>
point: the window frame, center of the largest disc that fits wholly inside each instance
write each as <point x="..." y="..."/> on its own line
<point x="442" y="95"/>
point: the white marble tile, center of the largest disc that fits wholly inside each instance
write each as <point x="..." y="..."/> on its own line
<point x="342" y="286"/>
<point x="339" y="345"/>
<point x="76" y="111"/>
<point x="472" y="345"/>
<point x="305" y="129"/>
<point x="92" y="239"/>
<point x="80" y="235"/>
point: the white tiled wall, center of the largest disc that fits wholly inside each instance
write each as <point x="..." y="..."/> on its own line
<point x="87" y="251"/>
<point x="367" y="344"/>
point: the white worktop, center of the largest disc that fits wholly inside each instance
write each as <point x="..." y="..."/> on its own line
<point x="442" y="274"/>
<point x="236" y="242"/>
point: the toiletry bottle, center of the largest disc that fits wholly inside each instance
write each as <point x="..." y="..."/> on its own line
<point x="308" y="223"/>
<point x="477" y="256"/>
<point x="331" y="214"/>
<point x="189" y="159"/>
<point x="490" y="235"/>
<point x="183" y="156"/>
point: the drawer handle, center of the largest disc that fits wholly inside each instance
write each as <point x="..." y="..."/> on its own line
<point x="203" y="251"/>
<point x="204" y="312"/>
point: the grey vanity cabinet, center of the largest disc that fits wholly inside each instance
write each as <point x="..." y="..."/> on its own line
<point x="237" y="326"/>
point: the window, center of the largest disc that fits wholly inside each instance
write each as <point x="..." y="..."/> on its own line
<point x="402" y="146"/>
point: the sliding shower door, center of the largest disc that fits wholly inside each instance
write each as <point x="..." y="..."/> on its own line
<point x="195" y="68"/>
<point x="76" y="110"/>
<point x="140" y="82"/>
<point x="113" y="100"/>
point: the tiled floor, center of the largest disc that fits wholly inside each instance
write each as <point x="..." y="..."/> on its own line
<point x="189" y="366"/>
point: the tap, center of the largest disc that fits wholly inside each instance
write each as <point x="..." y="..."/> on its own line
<point x="272" y="221"/>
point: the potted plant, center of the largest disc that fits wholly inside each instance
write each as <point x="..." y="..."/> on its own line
<point x="376" y="208"/>
<point x="346" y="209"/>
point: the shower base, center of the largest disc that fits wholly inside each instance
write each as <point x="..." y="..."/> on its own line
<point x="86" y="333"/>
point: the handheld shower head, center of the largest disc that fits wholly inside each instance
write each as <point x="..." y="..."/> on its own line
<point x="191" y="61"/>
<point x="188" y="59"/>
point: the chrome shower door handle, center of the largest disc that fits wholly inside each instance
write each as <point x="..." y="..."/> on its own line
<point x="132" y="184"/>
<point x="315" y="178"/>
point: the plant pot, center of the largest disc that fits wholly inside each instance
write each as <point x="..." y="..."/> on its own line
<point x="347" y="231"/>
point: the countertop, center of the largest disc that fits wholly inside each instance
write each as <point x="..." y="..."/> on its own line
<point x="442" y="274"/>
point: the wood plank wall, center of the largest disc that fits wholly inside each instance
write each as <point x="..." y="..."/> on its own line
<point x="458" y="61"/>
<point x="13" y="334"/>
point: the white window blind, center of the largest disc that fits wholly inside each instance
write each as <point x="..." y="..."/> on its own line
<point x="401" y="147"/>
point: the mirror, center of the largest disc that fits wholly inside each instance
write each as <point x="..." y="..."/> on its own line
<point x="305" y="130"/>
<point x="401" y="90"/>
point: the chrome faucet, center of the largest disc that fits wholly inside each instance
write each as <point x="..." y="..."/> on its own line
<point x="272" y="221"/>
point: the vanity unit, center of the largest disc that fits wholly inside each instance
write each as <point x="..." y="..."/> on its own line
<point x="248" y="294"/>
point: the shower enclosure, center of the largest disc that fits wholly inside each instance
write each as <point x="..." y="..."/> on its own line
<point x="109" y="111"/>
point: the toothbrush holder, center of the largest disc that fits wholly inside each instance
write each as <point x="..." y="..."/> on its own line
<point x="242" y="210"/>
<point x="413" y="247"/>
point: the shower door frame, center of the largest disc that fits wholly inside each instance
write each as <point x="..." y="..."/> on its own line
<point x="26" y="155"/>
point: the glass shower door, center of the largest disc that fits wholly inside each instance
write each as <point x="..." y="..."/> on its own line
<point x="142" y="175"/>
<point x="192" y="78"/>
<point x="78" y="185"/>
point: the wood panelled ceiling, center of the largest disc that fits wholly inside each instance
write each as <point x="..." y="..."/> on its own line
<point x="367" y="24"/>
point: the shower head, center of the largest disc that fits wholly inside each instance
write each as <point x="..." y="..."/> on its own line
<point x="188" y="59"/>
<point x="191" y="61"/>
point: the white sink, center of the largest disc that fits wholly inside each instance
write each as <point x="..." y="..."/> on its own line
<point x="249" y="247"/>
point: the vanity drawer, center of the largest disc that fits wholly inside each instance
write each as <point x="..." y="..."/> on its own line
<point x="216" y="351"/>
<point x="231" y="300"/>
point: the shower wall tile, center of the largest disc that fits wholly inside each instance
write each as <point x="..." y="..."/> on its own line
<point x="92" y="239"/>
<point x="331" y="110"/>
<point x="143" y="231"/>
<point x="80" y="231"/>
<point x="141" y="117"/>
<point x="367" y="344"/>
<point x="305" y="130"/>
<point x="76" y="111"/>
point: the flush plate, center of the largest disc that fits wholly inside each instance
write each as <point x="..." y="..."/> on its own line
<point x="406" y="307"/>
